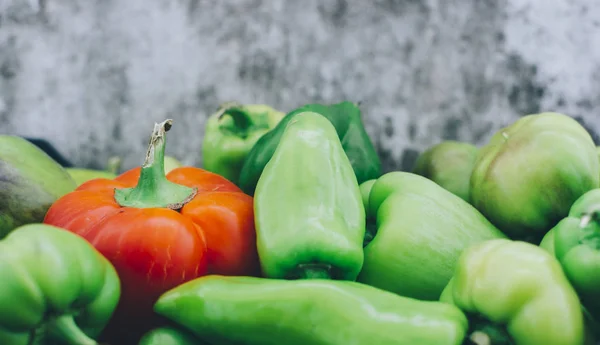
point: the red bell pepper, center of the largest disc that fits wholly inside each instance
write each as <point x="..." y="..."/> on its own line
<point x="160" y="230"/>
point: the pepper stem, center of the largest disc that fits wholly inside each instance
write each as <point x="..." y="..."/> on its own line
<point x="371" y="231"/>
<point x="65" y="330"/>
<point x="480" y="338"/>
<point x="242" y="120"/>
<point x="486" y="333"/>
<point x="153" y="188"/>
<point x="587" y="218"/>
<point x="114" y="165"/>
<point x="312" y="271"/>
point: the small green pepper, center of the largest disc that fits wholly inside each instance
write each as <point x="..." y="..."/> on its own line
<point x="263" y="311"/>
<point x="515" y="293"/>
<point x="230" y="134"/>
<point x="308" y="211"/>
<point x="347" y="121"/>
<point x="576" y="243"/>
<point x="448" y="164"/>
<point x="56" y="288"/>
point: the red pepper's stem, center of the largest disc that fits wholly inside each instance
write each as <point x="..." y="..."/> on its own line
<point x="66" y="330"/>
<point x="153" y="188"/>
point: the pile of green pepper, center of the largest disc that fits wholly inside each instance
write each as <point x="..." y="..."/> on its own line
<point x="303" y="239"/>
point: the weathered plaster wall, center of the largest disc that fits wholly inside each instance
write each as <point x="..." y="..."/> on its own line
<point x="94" y="76"/>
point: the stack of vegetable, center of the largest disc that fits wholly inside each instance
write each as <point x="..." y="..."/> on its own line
<point x="291" y="233"/>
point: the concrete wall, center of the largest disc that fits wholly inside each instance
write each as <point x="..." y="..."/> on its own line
<point x="94" y="76"/>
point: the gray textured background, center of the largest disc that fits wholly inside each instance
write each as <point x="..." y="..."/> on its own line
<point x="93" y="76"/>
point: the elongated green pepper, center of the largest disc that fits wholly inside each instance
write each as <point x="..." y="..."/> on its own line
<point x="449" y="164"/>
<point x="420" y="231"/>
<point x="347" y="121"/>
<point x="515" y="293"/>
<point x="55" y="288"/>
<point x="170" y="335"/>
<point x="318" y="227"/>
<point x="230" y="134"/>
<point x="262" y="311"/>
<point x="576" y="241"/>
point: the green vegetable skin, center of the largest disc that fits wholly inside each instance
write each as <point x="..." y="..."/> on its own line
<point x="231" y="133"/>
<point x="171" y="163"/>
<point x="516" y="293"/>
<point x="80" y="176"/>
<point x="421" y="229"/>
<point x="547" y="242"/>
<point x="448" y="164"/>
<point x="345" y="117"/>
<point x="309" y="216"/>
<point x="531" y="172"/>
<point x="170" y="335"/>
<point x="262" y="311"/>
<point x="55" y="286"/>
<point x="30" y="181"/>
<point x="576" y="243"/>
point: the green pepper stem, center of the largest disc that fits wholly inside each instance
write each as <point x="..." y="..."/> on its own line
<point x="480" y="338"/>
<point x="371" y="231"/>
<point x="487" y="333"/>
<point x="153" y="190"/>
<point x="587" y="218"/>
<point x="312" y="271"/>
<point x="114" y="165"/>
<point x="242" y="119"/>
<point x="65" y="330"/>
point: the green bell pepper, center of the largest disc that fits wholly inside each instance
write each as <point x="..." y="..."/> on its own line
<point x="448" y="164"/>
<point x="170" y="335"/>
<point x="318" y="225"/>
<point x="56" y="288"/>
<point x="531" y="172"/>
<point x="515" y="293"/>
<point x="345" y="117"/>
<point x="418" y="224"/>
<point x="230" y="134"/>
<point x="577" y="247"/>
<point x="263" y="311"/>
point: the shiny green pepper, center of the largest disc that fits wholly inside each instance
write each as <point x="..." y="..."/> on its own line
<point x="263" y="311"/>
<point x="448" y="164"/>
<point x="55" y="288"/>
<point x="515" y="293"/>
<point x="346" y="118"/>
<point x="308" y="211"/>
<point x="576" y="241"/>
<point x="230" y="134"/>
<point x="418" y="230"/>
<point x="531" y="172"/>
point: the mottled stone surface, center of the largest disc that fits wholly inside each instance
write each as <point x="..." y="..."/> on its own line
<point x="94" y="76"/>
